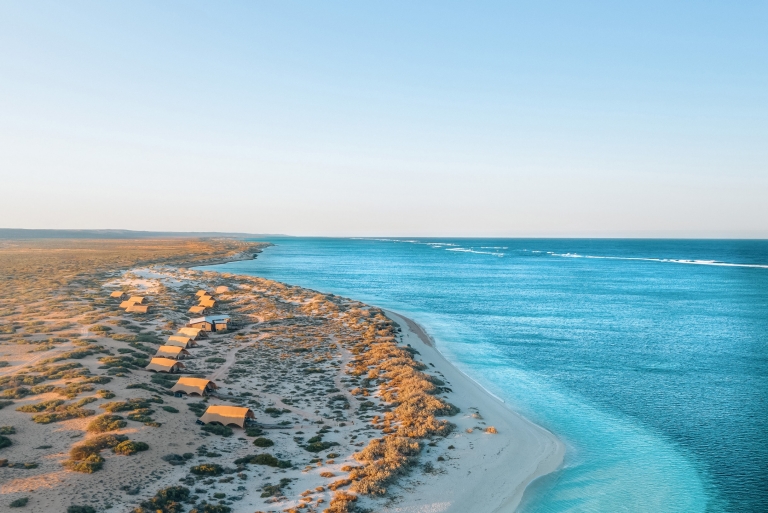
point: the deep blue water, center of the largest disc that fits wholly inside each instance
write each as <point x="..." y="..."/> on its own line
<point x="649" y="359"/>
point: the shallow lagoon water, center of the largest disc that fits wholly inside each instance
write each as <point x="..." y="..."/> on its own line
<point x="649" y="359"/>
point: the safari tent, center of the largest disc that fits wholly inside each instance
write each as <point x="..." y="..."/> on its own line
<point x="208" y="302"/>
<point x="164" y="365"/>
<point x="192" y="386"/>
<point x="180" y="341"/>
<point x="137" y="300"/>
<point x="193" y="333"/>
<point x="197" y="309"/>
<point x="222" y="289"/>
<point x="210" y="323"/>
<point x="127" y="303"/>
<point x="177" y="353"/>
<point x="118" y="294"/>
<point x="227" y="415"/>
<point x="138" y="309"/>
<point x="201" y="292"/>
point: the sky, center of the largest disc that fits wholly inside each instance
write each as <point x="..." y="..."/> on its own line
<point x="492" y="119"/>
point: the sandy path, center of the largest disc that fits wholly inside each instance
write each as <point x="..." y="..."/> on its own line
<point x="491" y="471"/>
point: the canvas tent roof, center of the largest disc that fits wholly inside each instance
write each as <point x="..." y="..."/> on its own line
<point x="208" y="302"/>
<point x="222" y="289"/>
<point x="136" y="299"/>
<point x="126" y="303"/>
<point x="201" y="292"/>
<point x="138" y="308"/>
<point x="117" y="293"/>
<point x="227" y="415"/>
<point x="164" y="365"/>
<point x="197" y="309"/>
<point x="180" y="341"/>
<point x="192" y="333"/>
<point x="171" y="351"/>
<point x="193" y="385"/>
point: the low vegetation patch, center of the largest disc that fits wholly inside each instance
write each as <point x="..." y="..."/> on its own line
<point x="86" y="458"/>
<point x="263" y="459"/>
<point x="105" y="423"/>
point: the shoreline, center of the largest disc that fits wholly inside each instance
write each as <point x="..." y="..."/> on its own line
<point x="495" y="470"/>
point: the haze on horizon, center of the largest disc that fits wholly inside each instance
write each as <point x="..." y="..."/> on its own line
<point x="386" y="118"/>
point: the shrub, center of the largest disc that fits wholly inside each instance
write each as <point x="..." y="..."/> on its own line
<point x="105" y="423"/>
<point x="3" y="404"/>
<point x="170" y="409"/>
<point x="85" y="457"/>
<point x="217" y="429"/>
<point x="263" y="442"/>
<point x="80" y="509"/>
<point x="130" y="447"/>
<point x="105" y="394"/>
<point x="5" y="442"/>
<point x="207" y="469"/>
<point x="167" y="500"/>
<point x="341" y="503"/>
<point x="215" y="359"/>
<point x="212" y="508"/>
<point x="263" y="459"/>
<point x="254" y="431"/>
<point x="491" y="430"/>
<point x="88" y="465"/>
<point x="20" y="502"/>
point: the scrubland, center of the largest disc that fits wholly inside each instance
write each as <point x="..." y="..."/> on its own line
<point x="349" y="417"/>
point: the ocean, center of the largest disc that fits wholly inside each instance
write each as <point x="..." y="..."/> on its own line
<point x="648" y="358"/>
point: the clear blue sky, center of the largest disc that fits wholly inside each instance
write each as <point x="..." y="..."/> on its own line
<point x="386" y="118"/>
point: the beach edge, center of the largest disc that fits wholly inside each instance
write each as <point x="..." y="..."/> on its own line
<point x="532" y="451"/>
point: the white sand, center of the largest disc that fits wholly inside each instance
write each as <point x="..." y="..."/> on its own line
<point x="485" y="472"/>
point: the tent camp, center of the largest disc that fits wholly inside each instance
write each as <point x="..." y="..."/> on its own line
<point x="193" y="386"/>
<point x="197" y="309"/>
<point x="164" y="365"/>
<point x="201" y="293"/>
<point x="138" y="308"/>
<point x="227" y="415"/>
<point x="177" y="353"/>
<point x="210" y="323"/>
<point x="193" y="333"/>
<point x="180" y="341"/>
<point x="222" y="289"/>
<point x="118" y="294"/>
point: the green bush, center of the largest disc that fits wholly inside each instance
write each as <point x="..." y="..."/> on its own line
<point x="88" y="465"/>
<point x="80" y="509"/>
<point x="217" y="429"/>
<point x="254" y="431"/>
<point x="212" y="508"/>
<point x="263" y="442"/>
<point x="170" y="409"/>
<point x="20" y="503"/>
<point x="207" y="469"/>
<point x="5" y="442"/>
<point x="215" y="359"/>
<point x="7" y="430"/>
<point x="263" y="459"/>
<point x="130" y="447"/>
<point x="167" y="500"/>
<point x="105" y="423"/>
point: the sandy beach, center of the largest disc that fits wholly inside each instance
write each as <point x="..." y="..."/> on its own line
<point x="488" y="473"/>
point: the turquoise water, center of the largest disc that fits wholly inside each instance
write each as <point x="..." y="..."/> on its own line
<point x="649" y="359"/>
